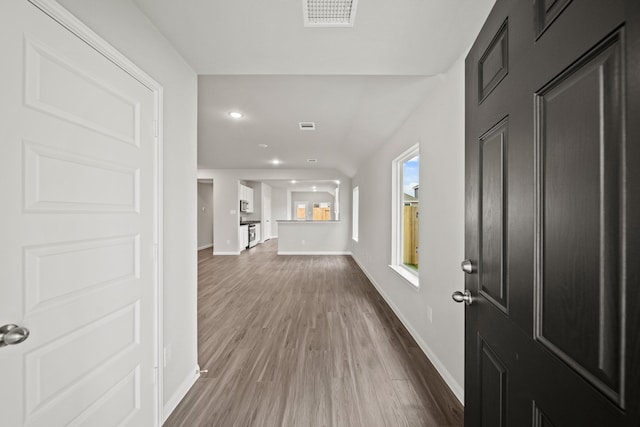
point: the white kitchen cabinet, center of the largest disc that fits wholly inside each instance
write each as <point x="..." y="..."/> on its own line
<point x="243" y="237"/>
<point x="246" y="193"/>
<point x="249" y="199"/>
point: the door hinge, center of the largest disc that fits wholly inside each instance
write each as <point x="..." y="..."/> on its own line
<point x="155" y="252"/>
<point x="156" y="375"/>
<point x="156" y="128"/>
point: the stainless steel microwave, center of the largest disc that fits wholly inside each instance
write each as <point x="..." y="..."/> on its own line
<point x="244" y="206"/>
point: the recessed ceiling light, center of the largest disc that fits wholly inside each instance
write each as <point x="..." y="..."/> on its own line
<point x="293" y="181"/>
<point x="314" y="187"/>
<point x="276" y="162"/>
<point x="236" y="115"/>
<point x="262" y="145"/>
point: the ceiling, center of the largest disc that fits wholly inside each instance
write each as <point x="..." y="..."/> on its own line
<point x="353" y="115"/>
<point x="359" y="84"/>
<point x="328" y="186"/>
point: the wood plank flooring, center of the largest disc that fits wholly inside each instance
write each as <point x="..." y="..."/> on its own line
<point x="305" y="341"/>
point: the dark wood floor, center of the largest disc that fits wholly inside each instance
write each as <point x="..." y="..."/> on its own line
<point x="305" y="341"/>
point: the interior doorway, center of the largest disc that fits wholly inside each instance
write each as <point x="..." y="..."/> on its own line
<point x="205" y="214"/>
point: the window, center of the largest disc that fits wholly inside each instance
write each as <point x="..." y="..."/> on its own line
<point x="405" y="214"/>
<point x="301" y="210"/>
<point x="355" y="210"/>
<point x="322" y="211"/>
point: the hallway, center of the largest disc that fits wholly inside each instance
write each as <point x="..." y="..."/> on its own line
<point x="305" y="341"/>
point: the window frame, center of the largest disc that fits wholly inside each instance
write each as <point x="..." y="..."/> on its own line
<point x="355" y="213"/>
<point x="397" y="201"/>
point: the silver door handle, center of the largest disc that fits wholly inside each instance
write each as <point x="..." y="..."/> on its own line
<point x="12" y="334"/>
<point x="462" y="297"/>
<point x="467" y="266"/>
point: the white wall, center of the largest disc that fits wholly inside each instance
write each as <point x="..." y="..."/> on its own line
<point x="312" y="238"/>
<point x="278" y="208"/>
<point x="225" y="199"/>
<point x="438" y="124"/>
<point x="205" y="215"/>
<point x="123" y="25"/>
<point x="266" y="215"/>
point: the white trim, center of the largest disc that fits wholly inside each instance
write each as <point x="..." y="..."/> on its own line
<point x="455" y="386"/>
<point x="210" y="245"/>
<point x="409" y="276"/>
<point x="226" y="253"/>
<point x="397" y="203"/>
<point x="180" y="393"/>
<point x="355" y="212"/>
<point x="87" y="35"/>
<point x="314" y="253"/>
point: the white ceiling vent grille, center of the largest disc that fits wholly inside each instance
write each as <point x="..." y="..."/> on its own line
<point x="329" y="13"/>
<point x="307" y="126"/>
<point x="312" y="160"/>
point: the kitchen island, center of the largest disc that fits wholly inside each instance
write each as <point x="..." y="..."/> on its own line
<point x="308" y="237"/>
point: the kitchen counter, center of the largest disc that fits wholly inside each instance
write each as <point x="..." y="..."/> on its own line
<point x="298" y="237"/>
<point x="257" y="221"/>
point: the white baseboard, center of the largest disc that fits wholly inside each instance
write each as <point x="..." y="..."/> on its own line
<point x="226" y="253"/>
<point x="313" y="253"/>
<point x="180" y="393"/>
<point x="456" y="388"/>
<point x="210" y="245"/>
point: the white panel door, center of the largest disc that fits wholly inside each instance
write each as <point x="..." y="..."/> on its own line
<point x="77" y="230"/>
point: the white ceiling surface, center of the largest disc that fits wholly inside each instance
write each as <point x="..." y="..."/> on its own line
<point x="358" y="84"/>
<point x="354" y="115"/>
<point x="389" y="37"/>
<point x="306" y="186"/>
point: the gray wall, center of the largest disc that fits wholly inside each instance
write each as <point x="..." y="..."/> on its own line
<point x="205" y="214"/>
<point x="438" y="124"/>
<point x="123" y="25"/>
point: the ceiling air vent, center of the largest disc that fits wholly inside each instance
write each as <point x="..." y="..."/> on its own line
<point x="329" y="13"/>
<point x="307" y="126"/>
<point x="312" y="160"/>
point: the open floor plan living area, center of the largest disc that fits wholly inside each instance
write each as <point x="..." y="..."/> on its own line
<point x="320" y="213"/>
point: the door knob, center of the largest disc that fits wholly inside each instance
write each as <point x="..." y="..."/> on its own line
<point x="462" y="297"/>
<point x="12" y="334"/>
<point x="467" y="266"/>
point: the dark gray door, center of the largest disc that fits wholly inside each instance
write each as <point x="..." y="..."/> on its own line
<point x="553" y="215"/>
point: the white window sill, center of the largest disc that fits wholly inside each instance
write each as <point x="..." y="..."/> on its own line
<point x="410" y="277"/>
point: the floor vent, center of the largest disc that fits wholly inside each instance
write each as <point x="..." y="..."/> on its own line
<point x="329" y="13"/>
<point x="307" y="126"/>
